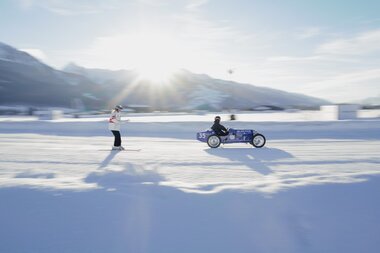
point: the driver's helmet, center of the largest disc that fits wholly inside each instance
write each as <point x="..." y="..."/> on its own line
<point x="119" y="107"/>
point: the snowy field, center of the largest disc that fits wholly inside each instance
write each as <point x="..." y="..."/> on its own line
<point x="313" y="188"/>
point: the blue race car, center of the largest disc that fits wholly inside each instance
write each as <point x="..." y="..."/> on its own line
<point x="234" y="136"/>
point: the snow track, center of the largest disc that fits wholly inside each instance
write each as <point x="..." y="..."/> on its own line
<point x="306" y="191"/>
<point x="187" y="165"/>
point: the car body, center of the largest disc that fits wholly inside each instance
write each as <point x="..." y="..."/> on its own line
<point x="234" y="136"/>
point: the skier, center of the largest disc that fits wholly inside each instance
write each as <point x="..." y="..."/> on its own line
<point x="114" y="125"/>
<point x="219" y="129"/>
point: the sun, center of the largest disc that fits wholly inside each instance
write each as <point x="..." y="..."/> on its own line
<point x="155" y="57"/>
<point x="155" y="73"/>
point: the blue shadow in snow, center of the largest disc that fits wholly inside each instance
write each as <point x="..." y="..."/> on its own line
<point x="253" y="158"/>
<point x="108" y="159"/>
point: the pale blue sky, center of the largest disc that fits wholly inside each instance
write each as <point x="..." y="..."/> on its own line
<point x="329" y="49"/>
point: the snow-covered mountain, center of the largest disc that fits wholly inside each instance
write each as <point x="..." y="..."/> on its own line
<point x="371" y="101"/>
<point x="10" y="54"/>
<point x="24" y="80"/>
<point x="27" y="81"/>
<point x="100" y="76"/>
<point x="187" y="90"/>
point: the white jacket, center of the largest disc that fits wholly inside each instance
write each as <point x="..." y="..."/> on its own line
<point x="114" y="121"/>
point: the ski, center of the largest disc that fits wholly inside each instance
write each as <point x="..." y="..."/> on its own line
<point x="127" y="149"/>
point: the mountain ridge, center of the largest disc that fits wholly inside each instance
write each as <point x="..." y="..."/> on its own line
<point x="26" y="80"/>
<point x="219" y="87"/>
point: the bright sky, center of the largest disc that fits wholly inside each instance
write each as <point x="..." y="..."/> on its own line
<point x="325" y="48"/>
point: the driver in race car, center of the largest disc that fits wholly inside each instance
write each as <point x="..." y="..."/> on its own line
<point x="219" y="129"/>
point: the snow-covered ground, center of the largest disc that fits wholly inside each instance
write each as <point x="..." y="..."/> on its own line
<point x="313" y="188"/>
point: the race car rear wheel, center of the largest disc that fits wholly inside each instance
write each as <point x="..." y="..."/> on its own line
<point x="213" y="141"/>
<point x="258" y="141"/>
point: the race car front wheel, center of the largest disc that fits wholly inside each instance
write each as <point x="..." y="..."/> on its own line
<point x="213" y="141"/>
<point x="258" y="141"/>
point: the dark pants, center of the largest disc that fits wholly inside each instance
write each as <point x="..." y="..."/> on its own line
<point x="117" y="142"/>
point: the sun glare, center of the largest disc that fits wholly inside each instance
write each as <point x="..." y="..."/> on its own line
<point x="155" y="57"/>
<point x="155" y="73"/>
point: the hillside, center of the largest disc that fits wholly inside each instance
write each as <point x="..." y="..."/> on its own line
<point x="24" y="80"/>
<point x="188" y="90"/>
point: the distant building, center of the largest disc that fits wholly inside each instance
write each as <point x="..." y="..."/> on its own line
<point x="49" y="114"/>
<point x="339" y="111"/>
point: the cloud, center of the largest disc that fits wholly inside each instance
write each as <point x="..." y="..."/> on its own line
<point x="72" y="7"/>
<point x="218" y="36"/>
<point x="153" y="3"/>
<point x="76" y="7"/>
<point x="361" y="44"/>
<point x="35" y="52"/>
<point x="294" y="59"/>
<point x="317" y="58"/>
<point x="196" y="4"/>
<point x="347" y="86"/>
<point x="189" y="35"/>
<point x="348" y="78"/>
<point x="309" y="32"/>
<point x="341" y="70"/>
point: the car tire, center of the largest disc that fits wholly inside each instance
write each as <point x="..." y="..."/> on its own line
<point x="258" y="141"/>
<point x="213" y="141"/>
